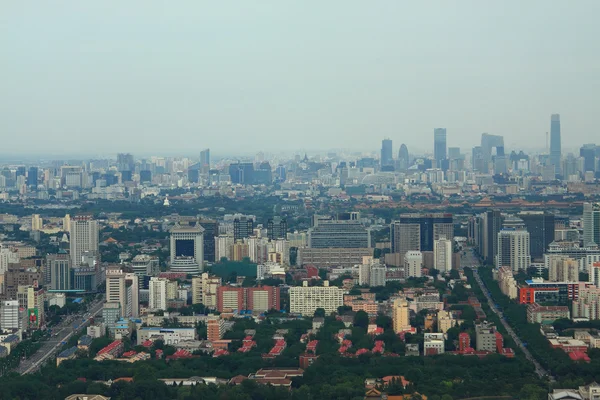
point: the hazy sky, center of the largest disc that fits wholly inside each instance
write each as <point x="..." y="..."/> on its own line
<point x="240" y="76"/>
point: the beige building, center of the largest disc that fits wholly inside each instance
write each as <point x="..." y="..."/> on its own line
<point x="306" y="300"/>
<point x="204" y="290"/>
<point x="563" y="269"/>
<point x="401" y="315"/>
<point x="115" y="287"/>
<point x="445" y="321"/>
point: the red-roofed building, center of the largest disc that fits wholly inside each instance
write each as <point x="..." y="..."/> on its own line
<point x="311" y="347"/>
<point x="180" y="354"/>
<point x="579" y="356"/>
<point x="128" y="354"/>
<point x="277" y="349"/>
<point x="159" y="353"/>
<point x="114" y="349"/>
<point x="220" y="352"/>
<point x="508" y="352"/>
<point x="361" y="351"/>
<point x="147" y="343"/>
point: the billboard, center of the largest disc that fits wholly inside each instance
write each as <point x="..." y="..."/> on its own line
<point x="32" y="317"/>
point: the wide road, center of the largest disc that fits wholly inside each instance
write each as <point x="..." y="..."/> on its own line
<point x="63" y="332"/>
<point x="538" y="368"/>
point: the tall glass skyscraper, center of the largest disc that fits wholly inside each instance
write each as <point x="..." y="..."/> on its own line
<point x="386" y="152"/>
<point x="555" y="147"/>
<point x="439" y="146"/>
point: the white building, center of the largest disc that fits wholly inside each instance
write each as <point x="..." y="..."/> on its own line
<point x="223" y="244"/>
<point x="204" y="290"/>
<point x="158" y="293"/>
<point x="84" y="238"/>
<point x="9" y="315"/>
<point x="513" y="246"/>
<point x="433" y="344"/>
<point x="413" y="263"/>
<point x="170" y="336"/>
<point x="187" y="249"/>
<point x="115" y="288"/>
<point x="305" y="300"/>
<point x="270" y="269"/>
<point x="442" y="254"/>
<point x="144" y="264"/>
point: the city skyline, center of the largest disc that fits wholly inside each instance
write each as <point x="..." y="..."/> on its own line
<point x="258" y="78"/>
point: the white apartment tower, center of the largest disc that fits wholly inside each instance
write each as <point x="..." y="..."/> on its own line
<point x="513" y="245"/>
<point x="84" y="237"/>
<point x="413" y="263"/>
<point x="442" y="254"/>
<point x="158" y="293"/>
<point x="306" y="300"/>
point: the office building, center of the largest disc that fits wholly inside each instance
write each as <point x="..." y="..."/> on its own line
<point x="32" y="176"/>
<point x="513" y="245"/>
<point x="125" y="163"/>
<point x="145" y="176"/>
<point x="591" y="224"/>
<point x="306" y="300"/>
<point x="540" y="226"/>
<point x="433" y="344"/>
<point x="418" y="232"/>
<point x="413" y="264"/>
<point x="205" y="161"/>
<point x="332" y="257"/>
<point x="211" y="231"/>
<point x="169" y="336"/>
<point x="487" y="338"/>
<point x="386" y="153"/>
<point x="158" y="293"/>
<point x="439" y="146"/>
<point x="483" y="231"/>
<point x="497" y="161"/>
<point x="555" y="143"/>
<point x="242" y="173"/>
<point x="401" y="316"/>
<point x="9" y="315"/>
<point x="588" y="153"/>
<point x="276" y="228"/>
<point x="132" y="295"/>
<point x="84" y="238"/>
<point x="339" y="234"/>
<point x="243" y="227"/>
<point x="187" y="249"/>
<point x="442" y="255"/>
<point x="111" y="313"/>
<point x="115" y="288"/>
<point x="403" y="161"/>
<point x="594" y="274"/>
<point x="145" y="265"/>
<point x="59" y="267"/>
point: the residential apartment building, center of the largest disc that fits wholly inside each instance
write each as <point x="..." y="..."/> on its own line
<point x="306" y="300"/>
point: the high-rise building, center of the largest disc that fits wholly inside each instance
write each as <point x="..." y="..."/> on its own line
<point x="484" y="232"/>
<point x="563" y="269"/>
<point x="145" y="265"/>
<point x="158" y="293"/>
<point x="439" y="146"/>
<point x="487" y="338"/>
<point x="419" y="231"/>
<point x="36" y="222"/>
<point x="591" y="224"/>
<point x="403" y="161"/>
<point x="84" y="238"/>
<point x="588" y="153"/>
<point x="513" y="245"/>
<point x="132" y="295"/>
<point x="211" y="231"/>
<point x="243" y="227"/>
<point x="242" y="173"/>
<point x="306" y="300"/>
<point x="413" y="263"/>
<point x="540" y="226"/>
<point x="59" y="266"/>
<point x="9" y="315"/>
<point x="187" y="249"/>
<point x="115" y="288"/>
<point x="594" y="274"/>
<point x="555" y="145"/>
<point x="386" y="153"/>
<point x="204" y="290"/>
<point x="223" y="247"/>
<point x="276" y="228"/>
<point x="401" y="315"/>
<point x="32" y="176"/>
<point x="339" y="234"/>
<point x="442" y="255"/>
<point x="205" y="161"/>
<point x="488" y="143"/>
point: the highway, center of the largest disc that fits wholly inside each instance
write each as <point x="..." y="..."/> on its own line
<point x="538" y="368"/>
<point x="63" y="332"/>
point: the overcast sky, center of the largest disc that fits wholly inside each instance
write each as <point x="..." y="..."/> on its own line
<point x="178" y="76"/>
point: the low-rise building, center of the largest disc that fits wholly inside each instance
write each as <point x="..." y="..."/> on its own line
<point x="433" y="344"/>
<point x="167" y="335"/>
<point x="67" y="354"/>
<point x="538" y="314"/>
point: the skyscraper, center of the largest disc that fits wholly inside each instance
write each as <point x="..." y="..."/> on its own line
<point x="439" y="146"/>
<point x="591" y="224"/>
<point x="489" y="142"/>
<point x="115" y="288"/>
<point x="540" y="226"/>
<point x="403" y="158"/>
<point x="513" y="245"/>
<point x="84" y="238"/>
<point x="276" y="228"/>
<point x="555" y="145"/>
<point x="419" y="231"/>
<point x="588" y="152"/>
<point x="32" y="176"/>
<point x="187" y="249"/>
<point x="386" y="152"/>
<point x="442" y="255"/>
<point x="205" y="161"/>
<point x="243" y="227"/>
<point x="60" y="271"/>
